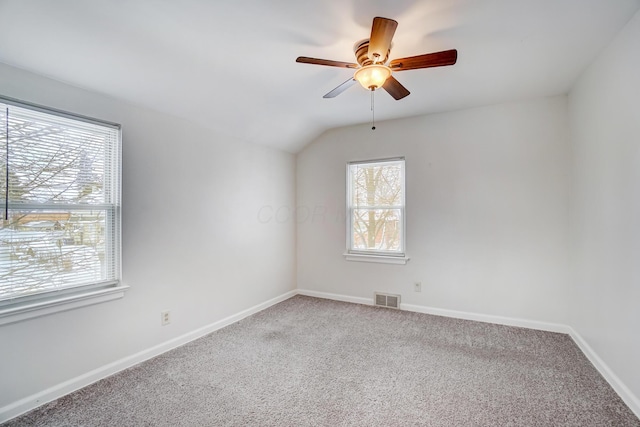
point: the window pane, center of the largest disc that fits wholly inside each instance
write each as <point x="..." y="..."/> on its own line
<point x="377" y="229"/>
<point x="376" y="206"/>
<point x="377" y="184"/>
<point x="51" y="250"/>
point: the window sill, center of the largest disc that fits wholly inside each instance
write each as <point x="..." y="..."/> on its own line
<point x="55" y="305"/>
<point x="382" y="259"/>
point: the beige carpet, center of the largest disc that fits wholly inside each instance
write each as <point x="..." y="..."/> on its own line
<point x="313" y="362"/>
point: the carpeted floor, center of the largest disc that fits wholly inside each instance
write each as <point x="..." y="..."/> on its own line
<point x="313" y="362"/>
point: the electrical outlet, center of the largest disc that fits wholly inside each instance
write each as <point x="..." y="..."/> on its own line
<point x="165" y="318"/>
<point x="417" y="287"/>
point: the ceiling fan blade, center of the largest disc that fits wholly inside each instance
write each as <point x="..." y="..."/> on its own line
<point x="382" y="31"/>
<point x="436" y="59"/>
<point x="341" y="88"/>
<point x="395" y="89"/>
<point x="328" y="62"/>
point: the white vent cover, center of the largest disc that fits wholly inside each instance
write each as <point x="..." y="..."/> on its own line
<point x="386" y="300"/>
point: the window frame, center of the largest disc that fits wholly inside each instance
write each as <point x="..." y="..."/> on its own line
<point x="380" y="256"/>
<point x="51" y="301"/>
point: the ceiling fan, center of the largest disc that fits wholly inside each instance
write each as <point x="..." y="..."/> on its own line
<point x="373" y="70"/>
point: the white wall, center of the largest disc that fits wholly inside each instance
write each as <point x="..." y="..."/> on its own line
<point x="487" y="210"/>
<point x="605" y="217"/>
<point x="192" y="241"/>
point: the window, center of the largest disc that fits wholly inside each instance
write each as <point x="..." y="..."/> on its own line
<point x="60" y="207"/>
<point x="375" y="204"/>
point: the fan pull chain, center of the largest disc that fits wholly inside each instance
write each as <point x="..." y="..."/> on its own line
<point x="373" y="112"/>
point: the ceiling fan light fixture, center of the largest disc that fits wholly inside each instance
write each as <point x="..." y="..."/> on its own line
<point x="373" y="71"/>
<point x="371" y="77"/>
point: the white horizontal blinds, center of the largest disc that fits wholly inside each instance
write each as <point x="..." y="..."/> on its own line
<point x="4" y="135"/>
<point x="52" y="250"/>
<point x="54" y="159"/>
<point x="63" y="225"/>
<point x="377" y="206"/>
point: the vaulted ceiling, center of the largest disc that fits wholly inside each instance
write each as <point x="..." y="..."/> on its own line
<point x="230" y="64"/>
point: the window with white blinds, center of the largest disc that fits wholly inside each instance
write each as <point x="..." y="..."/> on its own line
<point x="60" y="204"/>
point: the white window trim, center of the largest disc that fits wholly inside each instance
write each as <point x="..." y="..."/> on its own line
<point x="382" y="257"/>
<point x="29" y="309"/>
<point x="14" y="314"/>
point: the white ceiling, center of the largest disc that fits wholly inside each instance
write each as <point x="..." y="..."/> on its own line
<point x="230" y="64"/>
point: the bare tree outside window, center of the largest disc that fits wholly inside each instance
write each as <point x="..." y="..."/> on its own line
<point x="376" y="206"/>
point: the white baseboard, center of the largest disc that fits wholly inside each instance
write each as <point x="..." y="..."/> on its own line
<point x="487" y="318"/>
<point x="509" y="321"/>
<point x="336" y="297"/>
<point x="31" y="402"/>
<point x="616" y="383"/>
<point x="623" y="391"/>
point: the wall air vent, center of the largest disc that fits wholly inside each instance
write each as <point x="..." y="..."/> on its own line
<point x="386" y="300"/>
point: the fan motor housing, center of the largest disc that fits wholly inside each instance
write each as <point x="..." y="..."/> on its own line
<point x="361" y="49"/>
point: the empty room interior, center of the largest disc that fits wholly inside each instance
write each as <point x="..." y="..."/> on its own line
<point x="357" y="212"/>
